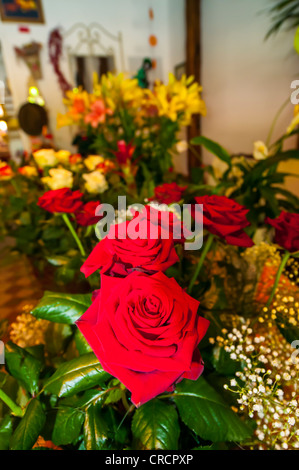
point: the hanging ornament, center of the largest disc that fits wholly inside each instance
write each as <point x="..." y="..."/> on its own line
<point x="55" y="52"/>
<point x="153" y="40"/>
<point x="30" y="54"/>
<point x="151" y="14"/>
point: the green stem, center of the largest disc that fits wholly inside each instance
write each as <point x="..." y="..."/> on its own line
<point x="72" y="230"/>
<point x="17" y="411"/>
<point x="275" y="121"/>
<point x="278" y="274"/>
<point x="16" y="187"/>
<point x="201" y="261"/>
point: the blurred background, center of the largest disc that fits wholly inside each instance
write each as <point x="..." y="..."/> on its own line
<point x="245" y="78"/>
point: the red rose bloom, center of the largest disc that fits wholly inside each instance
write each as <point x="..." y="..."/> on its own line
<point x="225" y="218"/>
<point x="168" y="223"/>
<point x="145" y="331"/>
<point x="85" y="216"/>
<point x="61" y="200"/>
<point x="144" y="253"/>
<point x="168" y="193"/>
<point x="286" y="230"/>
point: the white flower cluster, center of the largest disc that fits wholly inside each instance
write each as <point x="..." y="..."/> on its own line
<point x="267" y="384"/>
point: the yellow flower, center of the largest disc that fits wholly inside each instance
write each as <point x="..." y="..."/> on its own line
<point x="45" y="157"/>
<point x="96" y="182"/>
<point x="118" y="90"/>
<point x="92" y="161"/>
<point x="63" y="156"/>
<point x="63" y="120"/>
<point x="28" y="171"/>
<point x="260" y="151"/>
<point x="59" y="178"/>
<point x="78" y="102"/>
<point x="178" y="100"/>
<point x="6" y="172"/>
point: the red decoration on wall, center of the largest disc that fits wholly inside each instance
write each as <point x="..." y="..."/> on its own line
<point x="24" y="29"/>
<point x="55" y="51"/>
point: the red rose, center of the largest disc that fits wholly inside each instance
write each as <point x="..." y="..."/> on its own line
<point x="225" y="218"/>
<point x="168" y="223"/>
<point x="144" y="252"/>
<point x="168" y="193"/>
<point x="286" y="230"/>
<point x="61" y="200"/>
<point x="145" y="331"/>
<point x="86" y="214"/>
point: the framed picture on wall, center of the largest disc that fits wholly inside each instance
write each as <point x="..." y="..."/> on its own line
<point x="22" y="11"/>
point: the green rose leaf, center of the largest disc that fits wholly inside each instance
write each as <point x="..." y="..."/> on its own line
<point x="62" y="308"/>
<point x="81" y="343"/>
<point x="67" y="427"/>
<point x="79" y="374"/>
<point x="23" y="366"/>
<point x="96" y="429"/>
<point x="29" y="428"/>
<point x="205" y="412"/>
<point x="5" y="432"/>
<point x="155" y="426"/>
<point x="56" y="337"/>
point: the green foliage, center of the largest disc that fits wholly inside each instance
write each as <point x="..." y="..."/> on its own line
<point x="62" y="308"/>
<point x="155" y="426"/>
<point x="23" y="366"/>
<point x="29" y="428"/>
<point x="283" y="13"/>
<point x="205" y="412"/>
<point x="75" y="376"/>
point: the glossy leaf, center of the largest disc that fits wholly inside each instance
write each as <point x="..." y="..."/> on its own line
<point x="81" y="343"/>
<point x="62" y="308"/>
<point x="23" y="366"/>
<point x="67" y="427"/>
<point x="6" y="427"/>
<point x="96" y="430"/>
<point x="205" y="412"/>
<point x="29" y="428"/>
<point x="76" y="375"/>
<point x="155" y="426"/>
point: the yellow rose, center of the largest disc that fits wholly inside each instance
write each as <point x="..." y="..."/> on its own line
<point x="92" y="161"/>
<point x="63" y="156"/>
<point x="28" y="171"/>
<point x="96" y="182"/>
<point x="45" y="157"/>
<point x="59" y="178"/>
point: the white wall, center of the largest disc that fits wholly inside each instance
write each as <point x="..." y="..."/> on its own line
<point x="245" y="78"/>
<point x="127" y="16"/>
